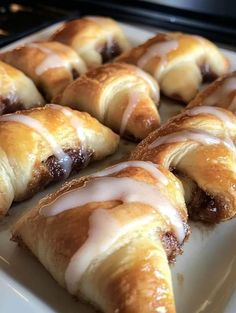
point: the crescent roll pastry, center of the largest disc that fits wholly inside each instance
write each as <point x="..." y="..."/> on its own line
<point x="44" y="145"/>
<point x="120" y="96"/>
<point x="198" y="146"/>
<point x="107" y="238"/>
<point x="179" y="62"/>
<point x="51" y="65"/>
<point x="96" y="39"/>
<point x="17" y="91"/>
<point x="222" y="93"/>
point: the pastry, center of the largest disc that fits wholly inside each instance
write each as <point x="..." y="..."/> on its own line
<point x="51" y="65"/>
<point x="120" y="96"/>
<point x="107" y="238"/>
<point x="221" y="93"/>
<point x="17" y="91"/>
<point x="198" y="147"/>
<point x="179" y="62"/>
<point x="95" y="39"/>
<point x="43" y="145"/>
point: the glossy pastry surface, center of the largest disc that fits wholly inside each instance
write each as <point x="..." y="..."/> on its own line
<point x="198" y="146"/>
<point x="17" y="91"/>
<point x="51" y="65"/>
<point x="179" y="62"/>
<point x="96" y="39"/>
<point x="107" y="238"/>
<point x="220" y="93"/>
<point x="43" y="145"/>
<point x="120" y="96"/>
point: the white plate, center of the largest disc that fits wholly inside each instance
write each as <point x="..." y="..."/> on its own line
<point x="204" y="276"/>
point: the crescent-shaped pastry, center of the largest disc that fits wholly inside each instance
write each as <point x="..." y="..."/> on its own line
<point x="107" y="238"/>
<point x="17" y="91"/>
<point x="44" y="145"/>
<point x="221" y="93"/>
<point x="198" y="146"/>
<point x="51" y="65"/>
<point x="179" y="62"/>
<point x="121" y="96"/>
<point x="96" y="39"/>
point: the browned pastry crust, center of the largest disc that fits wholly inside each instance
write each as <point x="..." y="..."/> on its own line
<point x="96" y="39"/>
<point x="206" y="170"/>
<point x="131" y="274"/>
<point x="51" y="65"/>
<point x="17" y="91"/>
<point x="220" y="93"/>
<point x="179" y="62"/>
<point x="27" y="159"/>
<point x="120" y="96"/>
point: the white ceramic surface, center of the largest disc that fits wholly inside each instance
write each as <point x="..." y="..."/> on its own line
<point x="204" y="276"/>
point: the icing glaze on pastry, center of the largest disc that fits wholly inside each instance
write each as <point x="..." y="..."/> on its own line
<point x="151" y="82"/>
<point x="221" y="92"/>
<point x="52" y="59"/>
<point x="122" y="189"/>
<point x="192" y="135"/>
<point x="218" y="113"/>
<point x="160" y="50"/>
<point x="75" y="121"/>
<point x="134" y="97"/>
<point x="64" y="159"/>
<point x="146" y="165"/>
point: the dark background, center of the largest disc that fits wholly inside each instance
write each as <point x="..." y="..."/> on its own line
<point x="213" y="19"/>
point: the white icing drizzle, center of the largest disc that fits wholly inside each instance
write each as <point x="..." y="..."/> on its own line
<point x="63" y="158"/>
<point x="160" y="49"/>
<point x="146" y="165"/>
<point x="193" y="135"/>
<point x="152" y="84"/>
<point x="104" y="231"/>
<point x="227" y="86"/>
<point x="134" y="97"/>
<point x="75" y="121"/>
<point x="52" y="59"/>
<point x="218" y="113"/>
<point x="120" y="188"/>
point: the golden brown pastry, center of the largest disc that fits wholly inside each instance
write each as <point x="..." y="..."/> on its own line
<point x="43" y="145"/>
<point x="96" y="39"/>
<point x="121" y="96"/>
<point x="51" y="65"/>
<point x="17" y="91"/>
<point x="107" y="238"/>
<point x="221" y="93"/>
<point x="198" y="147"/>
<point x="179" y="62"/>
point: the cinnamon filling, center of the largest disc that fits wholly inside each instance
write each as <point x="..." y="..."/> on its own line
<point x="207" y="74"/>
<point x="80" y="160"/>
<point x="8" y="106"/>
<point x="206" y="207"/>
<point x="109" y="50"/>
<point x="171" y="244"/>
<point x="201" y="205"/>
<point x="75" y="73"/>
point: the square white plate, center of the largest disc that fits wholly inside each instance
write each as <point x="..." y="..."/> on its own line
<point x="204" y="277"/>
